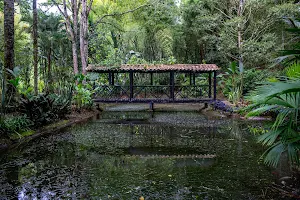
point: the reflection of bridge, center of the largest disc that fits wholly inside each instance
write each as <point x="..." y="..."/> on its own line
<point x="179" y="83"/>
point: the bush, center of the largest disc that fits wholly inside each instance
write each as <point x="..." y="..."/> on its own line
<point x="44" y="108"/>
<point x="253" y="77"/>
<point x="15" y="124"/>
<point x="82" y="97"/>
<point x="283" y="98"/>
<point x="232" y="81"/>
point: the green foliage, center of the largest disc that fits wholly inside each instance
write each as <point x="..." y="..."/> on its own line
<point x="136" y="60"/>
<point x="282" y="98"/>
<point x="293" y="71"/>
<point x="292" y="52"/>
<point x="257" y="130"/>
<point x="82" y="97"/>
<point x="14" y="124"/>
<point x="232" y="79"/>
<point x="237" y="84"/>
<point x="44" y="108"/>
<point x="254" y="77"/>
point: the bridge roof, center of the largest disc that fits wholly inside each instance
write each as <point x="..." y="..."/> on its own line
<point x="155" y="68"/>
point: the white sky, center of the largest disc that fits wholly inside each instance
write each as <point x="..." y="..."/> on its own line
<point x="53" y="9"/>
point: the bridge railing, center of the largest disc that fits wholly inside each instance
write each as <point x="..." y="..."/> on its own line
<point x="151" y="92"/>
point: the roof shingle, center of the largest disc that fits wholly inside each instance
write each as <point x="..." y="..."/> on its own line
<point x="155" y="68"/>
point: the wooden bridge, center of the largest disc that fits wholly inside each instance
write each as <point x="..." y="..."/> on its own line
<point x="178" y="83"/>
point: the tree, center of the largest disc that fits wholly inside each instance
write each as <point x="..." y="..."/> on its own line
<point x="35" y="46"/>
<point x="72" y="30"/>
<point x="84" y="33"/>
<point x="8" y="45"/>
<point x="282" y="98"/>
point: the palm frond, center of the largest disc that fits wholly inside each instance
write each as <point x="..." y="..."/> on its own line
<point x="261" y="110"/>
<point x="270" y="137"/>
<point x="273" y="154"/>
<point x="293" y="152"/>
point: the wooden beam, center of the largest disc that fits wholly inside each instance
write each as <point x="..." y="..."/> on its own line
<point x="194" y="78"/>
<point x="151" y="77"/>
<point x="215" y="85"/>
<point x="172" y="86"/>
<point x="131" y="84"/>
<point x="109" y="78"/>
<point x="113" y="78"/>
<point x="209" y="82"/>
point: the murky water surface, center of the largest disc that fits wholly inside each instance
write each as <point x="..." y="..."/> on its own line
<point x="126" y="155"/>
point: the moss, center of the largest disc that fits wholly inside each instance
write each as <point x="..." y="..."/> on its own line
<point x="16" y="136"/>
<point x="56" y="124"/>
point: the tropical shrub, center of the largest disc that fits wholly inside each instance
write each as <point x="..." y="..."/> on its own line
<point x="44" y="108"/>
<point x="282" y="98"/>
<point x="14" y="124"/>
<point x="293" y="71"/>
<point x="232" y="81"/>
<point x="83" y="93"/>
<point x="237" y="84"/>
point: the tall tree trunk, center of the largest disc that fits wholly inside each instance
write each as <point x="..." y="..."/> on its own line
<point x="9" y="35"/>
<point x="75" y="58"/>
<point x="8" y="48"/>
<point x="71" y="30"/>
<point x="240" y="45"/>
<point x="240" y="39"/>
<point x="202" y="56"/>
<point x="35" y="47"/>
<point x="49" y="70"/>
<point x="83" y="36"/>
<point x="75" y="10"/>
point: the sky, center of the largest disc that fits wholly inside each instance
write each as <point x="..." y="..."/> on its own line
<point x="53" y="9"/>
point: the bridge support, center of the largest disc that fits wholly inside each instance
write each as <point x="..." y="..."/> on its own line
<point x="151" y="106"/>
<point x="172" y="86"/>
<point x="215" y="85"/>
<point x="131" y="84"/>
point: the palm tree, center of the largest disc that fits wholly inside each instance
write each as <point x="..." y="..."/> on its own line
<point x="282" y="98"/>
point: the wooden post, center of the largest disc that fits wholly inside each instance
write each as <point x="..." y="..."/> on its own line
<point x="215" y="85"/>
<point x="172" y="85"/>
<point x="209" y="82"/>
<point x="190" y="78"/>
<point x="113" y="78"/>
<point x="131" y="84"/>
<point x="109" y="78"/>
<point x="151" y="106"/>
<point x="194" y="78"/>
<point x="151" y="76"/>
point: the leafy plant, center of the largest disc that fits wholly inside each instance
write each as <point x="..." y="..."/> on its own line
<point x="293" y="71"/>
<point x="44" y="108"/>
<point x="284" y="136"/>
<point x="233" y="84"/>
<point x="293" y="53"/>
<point x="82" y="97"/>
<point x="15" y="124"/>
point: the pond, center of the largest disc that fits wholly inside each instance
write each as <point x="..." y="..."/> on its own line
<point x="129" y="155"/>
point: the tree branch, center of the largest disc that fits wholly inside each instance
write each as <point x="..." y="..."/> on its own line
<point x="89" y="7"/>
<point x="120" y="14"/>
<point x="60" y="10"/>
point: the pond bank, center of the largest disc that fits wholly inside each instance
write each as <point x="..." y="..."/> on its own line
<point x="71" y="119"/>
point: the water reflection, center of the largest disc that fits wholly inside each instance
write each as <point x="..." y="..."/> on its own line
<point x="128" y="155"/>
